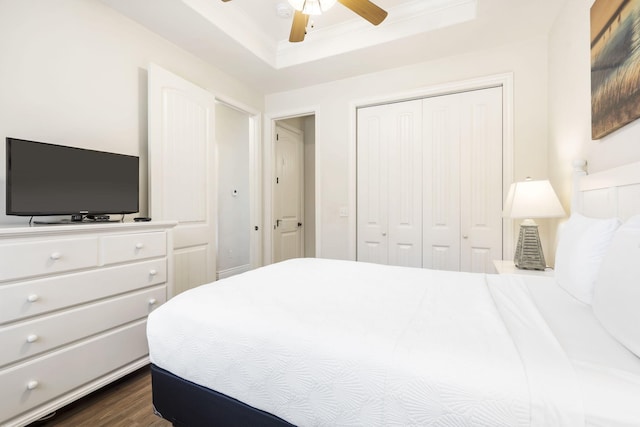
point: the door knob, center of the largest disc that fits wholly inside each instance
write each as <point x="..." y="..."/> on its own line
<point x="464" y="236"/>
<point x="384" y="234"/>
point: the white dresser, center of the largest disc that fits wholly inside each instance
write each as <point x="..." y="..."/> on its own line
<point x="73" y="306"/>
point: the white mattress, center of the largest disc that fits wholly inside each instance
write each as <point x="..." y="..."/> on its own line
<point x="322" y="342"/>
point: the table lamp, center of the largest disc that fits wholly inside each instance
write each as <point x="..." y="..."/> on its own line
<point x="531" y="199"/>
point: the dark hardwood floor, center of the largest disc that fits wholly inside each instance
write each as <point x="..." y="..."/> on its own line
<point x="125" y="403"/>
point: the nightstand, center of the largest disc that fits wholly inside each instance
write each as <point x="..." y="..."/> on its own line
<point x="504" y="266"/>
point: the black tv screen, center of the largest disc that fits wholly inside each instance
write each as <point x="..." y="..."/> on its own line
<point x="49" y="179"/>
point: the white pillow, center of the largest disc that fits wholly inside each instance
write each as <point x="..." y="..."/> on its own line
<point x="616" y="300"/>
<point x="582" y="245"/>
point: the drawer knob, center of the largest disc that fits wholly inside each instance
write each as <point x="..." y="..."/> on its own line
<point x="33" y="298"/>
<point x="153" y="272"/>
<point x="32" y="338"/>
<point x="139" y="245"/>
<point x="152" y="301"/>
<point x="31" y="385"/>
<point x="55" y="256"/>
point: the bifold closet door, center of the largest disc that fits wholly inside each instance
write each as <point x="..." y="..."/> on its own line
<point x="462" y="196"/>
<point x="389" y="184"/>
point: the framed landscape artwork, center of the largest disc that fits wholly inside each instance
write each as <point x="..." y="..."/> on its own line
<point x="615" y="65"/>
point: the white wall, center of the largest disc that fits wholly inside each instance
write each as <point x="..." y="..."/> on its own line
<point x="334" y="102"/>
<point x="570" y="104"/>
<point x="73" y="72"/>
<point x="232" y="139"/>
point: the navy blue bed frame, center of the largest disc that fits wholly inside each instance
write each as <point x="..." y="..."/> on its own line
<point x="186" y="404"/>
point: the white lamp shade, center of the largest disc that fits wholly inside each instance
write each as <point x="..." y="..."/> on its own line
<point x="312" y="7"/>
<point x="532" y="199"/>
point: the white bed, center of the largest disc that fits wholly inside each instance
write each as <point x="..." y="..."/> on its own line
<point x="325" y="342"/>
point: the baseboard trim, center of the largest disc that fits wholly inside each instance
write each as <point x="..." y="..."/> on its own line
<point x="232" y="271"/>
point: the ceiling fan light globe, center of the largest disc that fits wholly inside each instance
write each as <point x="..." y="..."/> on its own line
<point x="312" y="7"/>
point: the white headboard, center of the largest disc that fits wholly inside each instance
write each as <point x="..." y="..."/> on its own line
<point x="608" y="193"/>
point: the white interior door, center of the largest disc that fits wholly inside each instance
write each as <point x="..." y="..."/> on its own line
<point x="390" y="184"/>
<point x="182" y="171"/>
<point x="481" y="174"/>
<point x="463" y="180"/>
<point x="405" y="184"/>
<point x="372" y="187"/>
<point x="288" y="195"/>
<point x="441" y="191"/>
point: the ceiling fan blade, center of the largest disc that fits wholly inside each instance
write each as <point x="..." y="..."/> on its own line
<point x="298" y="27"/>
<point x="366" y="9"/>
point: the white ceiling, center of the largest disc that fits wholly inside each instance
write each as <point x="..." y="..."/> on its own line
<point x="247" y="38"/>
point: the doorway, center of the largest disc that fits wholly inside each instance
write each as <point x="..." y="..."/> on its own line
<point x="293" y="189"/>
<point x="184" y="176"/>
<point x="233" y="179"/>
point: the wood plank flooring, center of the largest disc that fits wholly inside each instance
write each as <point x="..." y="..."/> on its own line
<point x="125" y="403"/>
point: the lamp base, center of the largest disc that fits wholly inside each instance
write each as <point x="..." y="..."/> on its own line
<point x="529" y="254"/>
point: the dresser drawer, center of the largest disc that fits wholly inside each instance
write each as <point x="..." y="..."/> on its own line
<point x="28" y="259"/>
<point x="128" y="247"/>
<point x="30" y="384"/>
<point x="21" y="300"/>
<point x="30" y="338"/>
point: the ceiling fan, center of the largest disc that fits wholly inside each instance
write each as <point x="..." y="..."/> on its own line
<point x="304" y="8"/>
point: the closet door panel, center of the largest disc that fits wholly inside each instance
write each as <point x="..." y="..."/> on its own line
<point x="390" y="184"/>
<point x="372" y="200"/>
<point x="430" y="182"/>
<point x="405" y="183"/>
<point x="441" y="182"/>
<point x="481" y="163"/>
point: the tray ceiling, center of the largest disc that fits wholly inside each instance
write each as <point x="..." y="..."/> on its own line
<point x="248" y="38"/>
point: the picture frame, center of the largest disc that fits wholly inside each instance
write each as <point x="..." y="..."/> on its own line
<point x="615" y="68"/>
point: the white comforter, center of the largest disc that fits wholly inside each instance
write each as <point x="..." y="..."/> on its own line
<point x="338" y="343"/>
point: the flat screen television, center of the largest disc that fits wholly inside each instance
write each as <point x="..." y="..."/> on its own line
<point x="47" y="179"/>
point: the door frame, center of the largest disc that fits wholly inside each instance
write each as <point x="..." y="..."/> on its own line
<point x="268" y="159"/>
<point x="255" y="178"/>
<point x="504" y="80"/>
